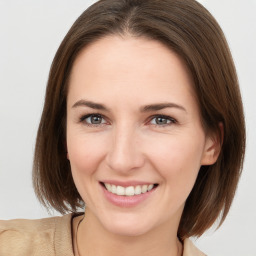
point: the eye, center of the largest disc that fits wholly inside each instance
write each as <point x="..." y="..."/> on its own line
<point x="93" y="119"/>
<point x="162" y="120"/>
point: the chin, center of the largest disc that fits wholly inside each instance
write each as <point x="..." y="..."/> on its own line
<point x="128" y="230"/>
<point x="128" y="226"/>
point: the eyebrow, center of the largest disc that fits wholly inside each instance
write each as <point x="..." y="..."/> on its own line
<point x="146" y="108"/>
<point x="90" y="104"/>
<point x="159" y="106"/>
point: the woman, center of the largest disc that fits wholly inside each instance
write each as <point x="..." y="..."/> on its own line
<point x="143" y="123"/>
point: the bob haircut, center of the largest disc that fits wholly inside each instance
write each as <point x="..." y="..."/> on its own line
<point x="188" y="29"/>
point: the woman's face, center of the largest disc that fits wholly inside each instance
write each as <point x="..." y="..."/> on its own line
<point x="134" y="136"/>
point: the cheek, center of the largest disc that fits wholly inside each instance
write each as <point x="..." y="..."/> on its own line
<point x="178" y="160"/>
<point x="85" y="153"/>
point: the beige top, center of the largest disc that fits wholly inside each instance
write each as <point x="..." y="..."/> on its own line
<point x="49" y="236"/>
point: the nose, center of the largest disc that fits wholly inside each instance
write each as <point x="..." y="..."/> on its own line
<point x="125" y="152"/>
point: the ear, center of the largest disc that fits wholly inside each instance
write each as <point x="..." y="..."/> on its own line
<point x="213" y="146"/>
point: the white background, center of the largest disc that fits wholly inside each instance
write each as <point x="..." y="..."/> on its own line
<point x="31" y="31"/>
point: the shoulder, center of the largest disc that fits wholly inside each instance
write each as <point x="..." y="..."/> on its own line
<point x="36" y="237"/>
<point x="190" y="249"/>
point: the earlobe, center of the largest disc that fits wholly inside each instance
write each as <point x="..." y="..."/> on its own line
<point x="213" y="146"/>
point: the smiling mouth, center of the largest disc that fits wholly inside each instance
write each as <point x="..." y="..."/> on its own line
<point x="128" y="191"/>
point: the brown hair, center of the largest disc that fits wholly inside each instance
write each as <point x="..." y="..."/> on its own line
<point x="188" y="29"/>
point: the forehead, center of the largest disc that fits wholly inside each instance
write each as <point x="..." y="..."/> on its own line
<point x="120" y="52"/>
<point x="129" y="66"/>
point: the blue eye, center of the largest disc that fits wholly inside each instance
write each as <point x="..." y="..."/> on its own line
<point x="162" y="120"/>
<point x="97" y="120"/>
<point x="93" y="119"/>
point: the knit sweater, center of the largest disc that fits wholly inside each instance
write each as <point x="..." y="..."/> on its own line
<point x="49" y="236"/>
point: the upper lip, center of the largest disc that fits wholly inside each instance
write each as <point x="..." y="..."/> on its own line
<point x="127" y="183"/>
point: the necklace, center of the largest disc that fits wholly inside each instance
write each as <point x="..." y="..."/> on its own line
<point x="78" y="254"/>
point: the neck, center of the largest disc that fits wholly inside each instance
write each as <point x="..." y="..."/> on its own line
<point x="161" y="241"/>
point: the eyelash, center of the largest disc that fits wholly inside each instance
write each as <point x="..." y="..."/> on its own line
<point x="168" y="118"/>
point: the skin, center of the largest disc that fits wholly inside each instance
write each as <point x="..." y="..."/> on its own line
<point x="125" y="74"/>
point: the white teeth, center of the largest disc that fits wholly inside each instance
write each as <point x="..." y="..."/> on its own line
<point x="137" y="190"/>
<point x="128" y="191"/>
<point x="120" y="191"/>
<point x="113" y="189"/>
<point x="144" y="189"/>
<point x="150" y="187"/>
<point x="108" y="186"/>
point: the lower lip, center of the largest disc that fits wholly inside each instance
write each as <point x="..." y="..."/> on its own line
<point x="127" y="201"/>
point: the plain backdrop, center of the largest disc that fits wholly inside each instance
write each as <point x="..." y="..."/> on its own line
<point x="30" y="33"/>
